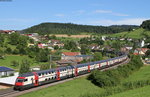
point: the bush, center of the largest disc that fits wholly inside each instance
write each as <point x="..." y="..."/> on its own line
<point x="113" y="77"/>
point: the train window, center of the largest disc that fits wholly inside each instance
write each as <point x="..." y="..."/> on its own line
<point x="39" y="74"/>
<point x="42" y="73"/>
<point x="25" y="80"/>
<point x="19" y="80"/>
<point x="46" y="73"/>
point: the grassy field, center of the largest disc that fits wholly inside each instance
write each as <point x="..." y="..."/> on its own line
<point x="139" y="92"/>
<point x="7" y="61"/>
<point x="73" y="88"/>
<point x="138" y="33"/>
<point x="143" y="73"/>
<point x="71" y="36"/>
<point x="78" y="87"/>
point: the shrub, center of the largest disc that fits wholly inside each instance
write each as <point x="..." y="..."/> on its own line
<point x="113" y="77"/>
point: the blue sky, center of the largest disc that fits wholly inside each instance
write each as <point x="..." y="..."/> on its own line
<point x="21" y="14"/>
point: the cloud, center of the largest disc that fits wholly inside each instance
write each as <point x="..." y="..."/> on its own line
<point x="119" y="14"/>
<point x="60" y="15"/>
<point x="131" y="21"/>
<point x="102" y="11"/>
<point x="109" y="12"/>
<point x="80" y="11"/>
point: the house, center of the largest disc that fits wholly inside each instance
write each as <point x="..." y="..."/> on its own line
<point x="42" y="45"/>
<point x="129" y="39"/>
<point x="129" y="47"/>
<point x="122" y="39"/>
<point x="31" y="44"/>
<point x="73" y="60"/>
<point x="103" y="38"/>
<point x="94" y="47"/>
<point x="5" y="71"/>
<point x="140" y="51"/>
<point x="124" y="49"/>
<point x="69" y="55"/>
<point x="56" y="43"/>
<point x="7" y="31"/>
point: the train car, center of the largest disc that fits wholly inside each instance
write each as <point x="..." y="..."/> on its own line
<point x="33" y="79"/>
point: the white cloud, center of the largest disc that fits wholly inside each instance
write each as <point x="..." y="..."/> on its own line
<point x="109" y="12"/>
<point x="131" y="21"/>
<point x="60" y="15"/>
<point x="80" y="11"/>
<point x="119" y="14"/>
<point x="102" y="11"/>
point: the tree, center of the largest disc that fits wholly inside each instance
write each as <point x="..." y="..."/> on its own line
<point x="16" y="51"/>
<point x="2" y="54"/>
<point x="116" y="45"/>
<point x="24" y="67"/>
<point x="42" y="56"/>
<point x="147" y="54"/>
<point x="15" y="63"/>
<point x="14" y="38"/>
<point x="97" y="56"/>
<point x="71" y="45"/>
<point x="146" y="24"/>
<point x="2" y="39"/>
<point x="84" y="49"/>
<point x="44" y="66"/>
<point x="56" y="47"/>
<point x="8" y="50"/>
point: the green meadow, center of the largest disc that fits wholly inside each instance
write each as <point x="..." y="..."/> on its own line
<point x="81" y="86"/>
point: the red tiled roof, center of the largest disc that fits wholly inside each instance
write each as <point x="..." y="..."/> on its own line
<point x="142" y="49"/>
<point x="71" y="53"/>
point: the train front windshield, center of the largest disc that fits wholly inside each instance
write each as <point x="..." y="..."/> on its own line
<point x="20" y="80"/>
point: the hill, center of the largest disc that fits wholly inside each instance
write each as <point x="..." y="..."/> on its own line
<point x="68" y="28"/>
<point x="137" y="33"/>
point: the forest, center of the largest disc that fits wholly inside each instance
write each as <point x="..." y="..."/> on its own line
<point x="69" y="28"/>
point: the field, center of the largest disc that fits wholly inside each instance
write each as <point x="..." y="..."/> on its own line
<point x="73" y="88"/>
<point x="7" y="61"/>
<point x="78" y="87"/>
<point x="138" y="33"/>
<point x="140" y="92"/>
<point x="71" y="36"/>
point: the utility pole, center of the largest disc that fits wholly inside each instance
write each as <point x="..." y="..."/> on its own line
<point x="50" y="60"/>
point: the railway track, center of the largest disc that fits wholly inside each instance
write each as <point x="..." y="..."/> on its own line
<point x="11" y="93"/>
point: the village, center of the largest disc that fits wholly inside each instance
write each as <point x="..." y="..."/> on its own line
<point x="72" y="52"/>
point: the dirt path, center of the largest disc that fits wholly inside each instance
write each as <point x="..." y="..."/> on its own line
<point x="4" y="87"/>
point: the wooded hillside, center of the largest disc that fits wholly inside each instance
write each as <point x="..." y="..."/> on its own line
<point x="69" y="28"/>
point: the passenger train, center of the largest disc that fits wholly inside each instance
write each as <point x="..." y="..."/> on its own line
<point x="34" y="79"/>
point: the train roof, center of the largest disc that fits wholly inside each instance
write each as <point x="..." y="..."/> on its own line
<point x="48" y="70"/>
<point x="26" y="74"/>
<point x="69" y="67"/>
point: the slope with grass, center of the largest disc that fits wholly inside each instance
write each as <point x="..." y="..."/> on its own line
<point x="73" y="88"/>
<point x="8" y="59"/>
<point x="138" y="33"/>
<point x="81" y="86"/>
<point x="142" y="74"/>
<point x="139" y="92"/>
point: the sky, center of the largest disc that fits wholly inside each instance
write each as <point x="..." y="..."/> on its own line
<point x="21" y="14"/>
